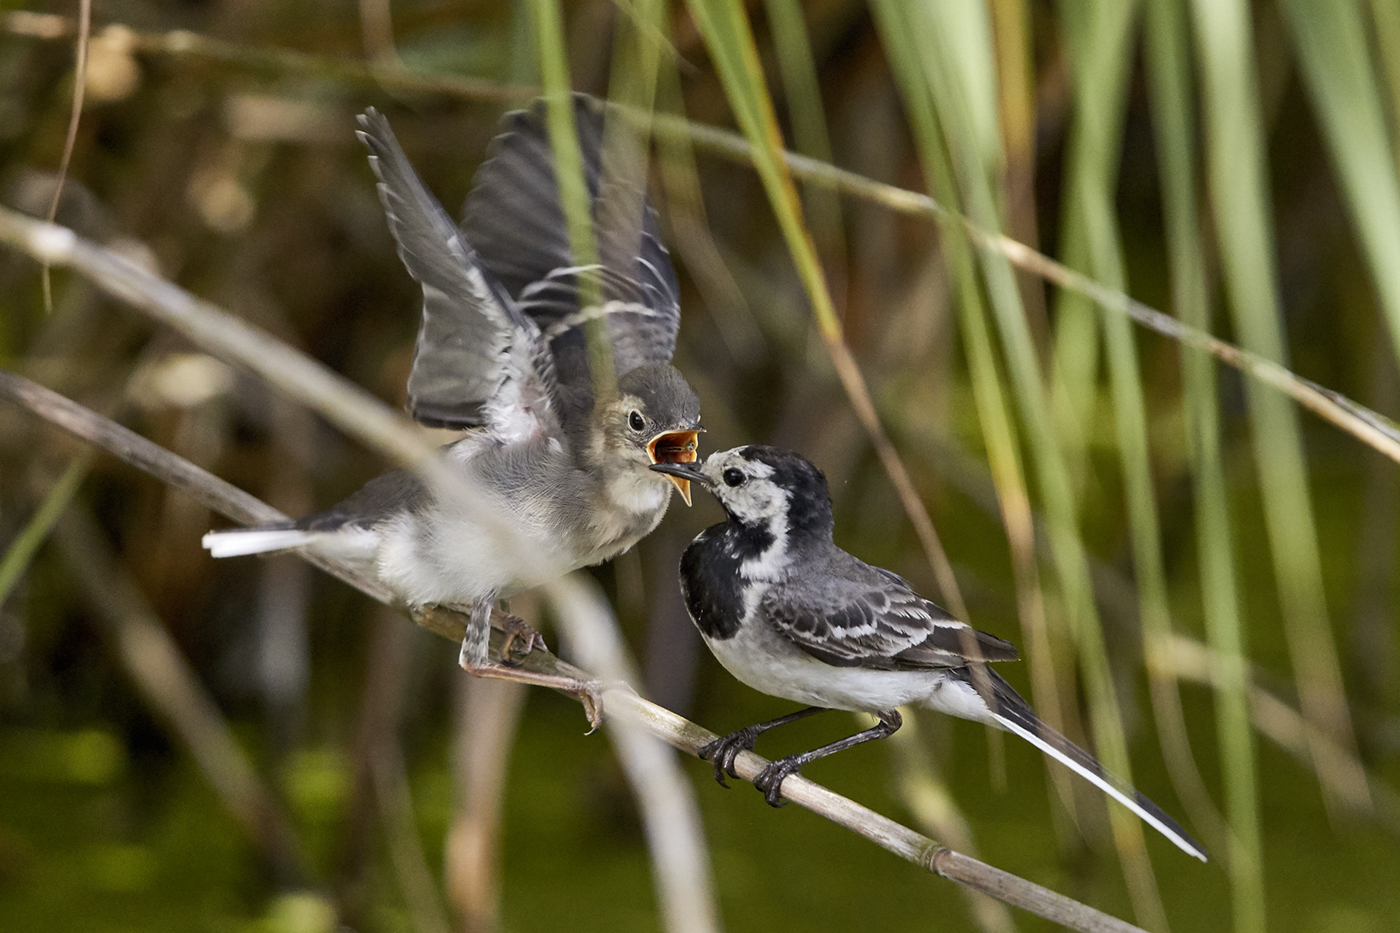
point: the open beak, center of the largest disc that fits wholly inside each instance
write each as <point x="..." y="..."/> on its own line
<point x="675" y="449"/>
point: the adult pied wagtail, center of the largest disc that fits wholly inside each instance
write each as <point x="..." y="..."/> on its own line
<point x="791" y="614"/>
<point x="501" y="354"/>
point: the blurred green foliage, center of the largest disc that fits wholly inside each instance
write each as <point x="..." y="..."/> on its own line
<point x="237" y="175"/>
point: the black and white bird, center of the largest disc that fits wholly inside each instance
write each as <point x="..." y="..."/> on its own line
<point x="501" y="354"/>
<point x="790" y="614"/>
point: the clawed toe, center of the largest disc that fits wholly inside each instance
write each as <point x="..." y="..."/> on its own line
<point x="520" y="640"/>
<point x="770" y="780"/>
<point x="724" y="750"/>
<point x="716" y="749"/>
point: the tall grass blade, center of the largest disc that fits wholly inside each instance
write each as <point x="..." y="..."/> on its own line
<point x="955" y="94"/>
<point x="573" y="189"/>
<point x="1386" y="17"/>
<point x="1170" y="85"/>
<point x="1342" y="79"/>
<point x="802" y="90"/>
<point x="1243" y="221"/>
<point x="1101" y="35"/>
<point x="993" y="412"/>
<point x="729" y="38"/>
<point x="22" y="549"/>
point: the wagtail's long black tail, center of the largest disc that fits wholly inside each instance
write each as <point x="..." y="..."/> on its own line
<point x="1015" y="715"/>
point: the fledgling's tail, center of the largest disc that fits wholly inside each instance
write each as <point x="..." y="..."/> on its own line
<point x="237" y="542"/>
<point x="1015" y="715"/>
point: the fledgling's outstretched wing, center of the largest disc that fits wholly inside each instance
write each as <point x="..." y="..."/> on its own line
<point x="855" y="615"/>
<point x="479" y="359"/>
<point x="516" y="224"/>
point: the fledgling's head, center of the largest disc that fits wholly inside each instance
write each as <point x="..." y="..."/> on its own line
<point x="759" y="485"/>
<point x="655" y="418"/>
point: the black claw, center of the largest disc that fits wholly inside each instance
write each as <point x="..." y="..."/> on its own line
<point x="725" y="749"/>
<point x="715" y="749"/>
<point x="770" y="780"/>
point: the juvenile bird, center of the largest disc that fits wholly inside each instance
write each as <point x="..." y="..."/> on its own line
<point x="501" y="354"/>
<point x="791" y="614"/>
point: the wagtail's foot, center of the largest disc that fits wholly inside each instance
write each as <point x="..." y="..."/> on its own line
<point x="520" y="640"/>
<point x="770" y="779"/>
<point x="726" y="748"/>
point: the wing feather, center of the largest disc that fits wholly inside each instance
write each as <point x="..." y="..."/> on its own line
<point x="516" y="223"/>
<point x="478" y="358"/>
<point x="878" y="623"/>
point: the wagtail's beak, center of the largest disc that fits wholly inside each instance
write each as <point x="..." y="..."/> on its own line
<point x="671" y="453"/>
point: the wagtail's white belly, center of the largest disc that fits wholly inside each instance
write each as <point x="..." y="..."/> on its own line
<point x="766" y="661"/>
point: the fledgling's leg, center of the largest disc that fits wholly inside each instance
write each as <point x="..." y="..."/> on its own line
<point x="770" y="779"/>
<point x="726" y="748"/>
<point x="475" y="659"/>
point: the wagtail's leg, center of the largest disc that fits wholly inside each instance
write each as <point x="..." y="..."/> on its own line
<point x="475" y="660"/>
<point x="726" y="748"/>
<point x="770" y="779"/>
<point x="521" y="639"/>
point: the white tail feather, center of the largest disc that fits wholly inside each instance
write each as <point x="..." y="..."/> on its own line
<point x="237" y="543"/>
<point x="1098" y="781"/>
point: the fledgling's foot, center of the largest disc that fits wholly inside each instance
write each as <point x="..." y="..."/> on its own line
<point x="726" y="748"/>
<point x="589" y="692"/>
<point x="770" y="779"/>
<point x="520" y="640"/>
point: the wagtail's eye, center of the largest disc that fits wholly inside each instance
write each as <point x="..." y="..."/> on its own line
<point x="635" y="421"/>
<point x="734" y="477"/>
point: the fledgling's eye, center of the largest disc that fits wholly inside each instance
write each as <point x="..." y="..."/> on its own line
<point x="734" y="477"/>
<point x="635" y="421"/>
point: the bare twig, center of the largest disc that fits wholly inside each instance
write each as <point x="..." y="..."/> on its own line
<point x="488" y="716"/>
<point x="74" y="116"/>
<point x="619" y="702"/>
<point x="679" y="857"/>
<point x="395" y="805"/>
<point x="1188" y="659"/>
<point x="377" y="732"/>
<point x="20" y="551"/>
<point x="180" y="43"/>
<point x="153" y="661"/>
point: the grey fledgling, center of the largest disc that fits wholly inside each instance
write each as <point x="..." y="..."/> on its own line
<point x="501" y="354"/>
<point x="791" y="614"/>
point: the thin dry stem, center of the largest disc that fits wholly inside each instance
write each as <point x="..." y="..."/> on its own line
<point x="619" y="702"/>
<point x="152" y="660"/>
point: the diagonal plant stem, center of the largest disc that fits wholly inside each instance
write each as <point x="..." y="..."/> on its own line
<point x="1239" y="188"/>
<point x="619" y="701"/>
<point x="172" y="689"/>
<point x="21" y="549"/>
<point x="1370" y="427"/>
<point x="730" y="41"/>
<point x="1168" y="70"/>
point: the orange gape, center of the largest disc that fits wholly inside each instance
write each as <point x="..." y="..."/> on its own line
<point x="676" y="447"/>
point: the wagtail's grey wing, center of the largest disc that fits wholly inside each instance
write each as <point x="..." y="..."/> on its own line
<point x="479" y="360"/>
<point x="855" y="615"/>
<point x="515" y="222"/>
<point x="870" y="618"/>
